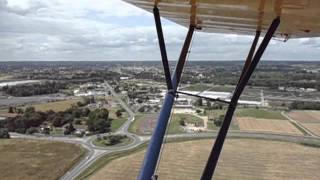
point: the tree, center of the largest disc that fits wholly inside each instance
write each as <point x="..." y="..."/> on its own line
<point x="85" y="112"/>
<point x="57" y="121"/>
<point x="99" y="121"/>
<point x="4" y="133"/>
<point x="30" y="110"/>
<point x="139" y="100"/>
<point x="32" y="130"/>
<point x="117" y="89"/>
<point x="141" y="109"/>
<point x="218" y="121"/>
<point x="10" y="110"/>
<point x="76" y="112"/>
<point x="182" y="122"/>
<point x="208" y="104"/>
<point x="19" y="111"/>
<point x="77" y="121"/>
<point x="102" y="126"/>
<point x="199" y="102"/>
<point x="69" y="129"/>
<point x="118" y="113"/>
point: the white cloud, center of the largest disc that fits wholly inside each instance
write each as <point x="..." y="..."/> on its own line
<point x="115" y="30"/>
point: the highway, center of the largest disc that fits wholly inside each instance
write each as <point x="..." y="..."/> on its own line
<point x="95" y="152"/>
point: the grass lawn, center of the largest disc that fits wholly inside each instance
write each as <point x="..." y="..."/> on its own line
<point x="259" y="113"/>
<point x="197" y="87"/>
<point x="117" y="122"/>
<point x="175" y="126"/>
<point x="241" y="159"/>
<point x="55" y="106"/>
<point x="134" y="126"/>
<point x="221" y="88"/>
<point x="37" y="159"/>
<point x="102" y="142"/>
<point x="249" y="112"/>
<point x="57" y="131"/>
<point x="212" y="126"/>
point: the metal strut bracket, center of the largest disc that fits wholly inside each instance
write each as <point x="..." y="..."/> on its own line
<point x="162" y="46"/>
<point x="247" y="72"/>
<point x="154" y="147"/>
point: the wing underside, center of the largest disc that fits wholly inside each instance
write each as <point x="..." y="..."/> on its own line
<point x="299" y="18"/>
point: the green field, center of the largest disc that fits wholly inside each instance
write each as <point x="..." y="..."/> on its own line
<point x="197" y="87"/>
<point x="55" y="106"/>
<point x="221" y="88"/>
<point x="175" y="126"/>
<point x="244" y="112"/>
<point x="117" y="122"/>
<point x="134" y="126"/>
<point x="259" y="113"/>
<point x="102" y="142"/>
<point x="37" y="159"/>
<point x="241" y="159"/>
<point x="144" y="123"/>
<point x="249" y="112"/>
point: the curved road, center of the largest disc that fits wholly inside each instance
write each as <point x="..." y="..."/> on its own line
<point x="95" y="152"/>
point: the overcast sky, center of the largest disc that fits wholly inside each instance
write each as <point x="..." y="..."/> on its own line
<point x="98" y="30"/>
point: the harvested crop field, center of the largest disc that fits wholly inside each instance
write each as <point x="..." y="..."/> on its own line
<point x="35" y="159"/>
<point x="305" y="116"/>
<point x="241" y="159"/>
<point x="313" y="127"/>
<point x="267" y="125"/>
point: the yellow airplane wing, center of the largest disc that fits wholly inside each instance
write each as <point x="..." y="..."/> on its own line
<point x="299" y="18"/>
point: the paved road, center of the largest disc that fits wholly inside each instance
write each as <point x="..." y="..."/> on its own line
<point x="95" y="152"/>
<point x="125" y="126"/>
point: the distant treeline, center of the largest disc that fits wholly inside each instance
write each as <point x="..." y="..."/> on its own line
<point x="48" y="87"/>
<point x="305" y="105"/>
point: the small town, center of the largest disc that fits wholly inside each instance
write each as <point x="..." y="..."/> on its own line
<point x="159" y="90"/>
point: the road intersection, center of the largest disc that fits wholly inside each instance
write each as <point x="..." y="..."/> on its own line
<point x="96" y="152"/>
